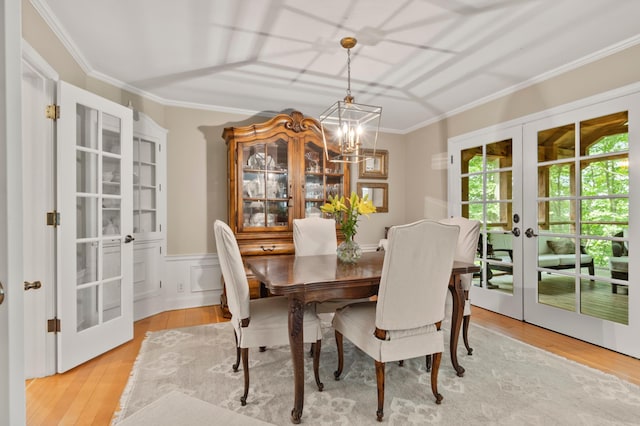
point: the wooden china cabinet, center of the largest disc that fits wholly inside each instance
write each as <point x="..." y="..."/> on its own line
<point x="277" y="172"/>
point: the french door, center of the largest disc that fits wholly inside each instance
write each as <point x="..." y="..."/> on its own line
<point x="578" y="275"/>
<point x="484" y="180"/>
<point x="95" y="259"/>
<point x="556" y="196"/>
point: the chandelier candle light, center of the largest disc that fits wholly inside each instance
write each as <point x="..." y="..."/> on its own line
<point x="350" y="126"/>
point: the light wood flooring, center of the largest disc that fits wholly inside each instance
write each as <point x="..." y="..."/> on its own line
<point x="90" y="394"/>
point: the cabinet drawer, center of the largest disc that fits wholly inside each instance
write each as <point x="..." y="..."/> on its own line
<point x="257" y="248"/>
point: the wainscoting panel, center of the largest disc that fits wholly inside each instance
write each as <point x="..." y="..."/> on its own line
<point x="192" y="281"/>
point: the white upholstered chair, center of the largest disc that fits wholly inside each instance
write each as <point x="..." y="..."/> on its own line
<point x="317" y="236"/>
<point x="465" y="252"/>
<point x="314" y="236"/>
<point x="258" y="322"/>
<point x="405" y="321"/>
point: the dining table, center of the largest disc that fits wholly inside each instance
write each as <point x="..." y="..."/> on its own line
<point x="308" y="279"/>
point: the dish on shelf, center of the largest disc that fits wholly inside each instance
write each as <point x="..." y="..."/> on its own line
<point x="259" y="161"/>
<point x="257" y="219"/>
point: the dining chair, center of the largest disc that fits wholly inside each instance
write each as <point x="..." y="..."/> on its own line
<point x="258" y="322"/>
<point x="465" y="252"/>
<point x="405" y="321"/>
<point x="314" y="236"/>
<point x="317" y="236"/>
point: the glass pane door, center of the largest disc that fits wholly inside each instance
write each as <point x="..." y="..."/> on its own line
<point x="95" y="303"/>
<point x="265" y="185"/>
<point x="578" y="274"/>
<point x="145" y="186"/>
<point x="485" y="188"/>
<point x="583" y="217"/>
<point x="322" y="179"/>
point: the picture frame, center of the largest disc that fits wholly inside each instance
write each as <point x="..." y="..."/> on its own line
<point x="378" y="194"/>
<point x="375" y="166"/>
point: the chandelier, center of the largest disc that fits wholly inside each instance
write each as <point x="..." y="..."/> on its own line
<point x="350" y="130"/>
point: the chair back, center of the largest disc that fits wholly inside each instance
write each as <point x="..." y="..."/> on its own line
<point x="415" y="275"/>
<point x="314" y="236"/>
<point x="467" y="242"/>
<point x="235" y="279"/>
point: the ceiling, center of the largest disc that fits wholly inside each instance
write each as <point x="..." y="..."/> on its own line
<point x="419" y="59"/>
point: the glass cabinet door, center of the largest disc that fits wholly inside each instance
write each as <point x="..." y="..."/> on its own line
<point x="322" y="179"/>
<point x="265" y="185"/>
<point x="145" y="186"/>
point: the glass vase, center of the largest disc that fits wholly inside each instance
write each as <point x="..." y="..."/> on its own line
<point x="349" y="251"/>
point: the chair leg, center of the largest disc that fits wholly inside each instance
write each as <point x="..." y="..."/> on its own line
<point x="245" y="368"/>
<point x="428" y="363"/>
<point x="434" y="376"/>
<point x="316" y="364"/>
<point x="237" y="364"/>
<point x="380" y="381"/>
<point x="465" y="333"/>
<point x="340" y="349"/>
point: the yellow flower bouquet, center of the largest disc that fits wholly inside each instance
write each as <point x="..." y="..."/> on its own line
<point x="346" y="213"/>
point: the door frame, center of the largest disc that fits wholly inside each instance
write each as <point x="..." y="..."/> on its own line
<point x="12" y="387"/>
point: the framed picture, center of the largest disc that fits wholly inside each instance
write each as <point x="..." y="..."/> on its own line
<point x="378" y="194"/>
<point x="376" y="166"/>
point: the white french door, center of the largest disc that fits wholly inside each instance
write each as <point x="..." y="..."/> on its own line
<point x="556" y="197"/>
<point x="94" y="191"/>
<point x="486" y="185"/>
<point x="578" y="274"/>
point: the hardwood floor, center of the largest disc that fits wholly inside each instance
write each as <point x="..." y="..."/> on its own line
<point x="90" y="394"/>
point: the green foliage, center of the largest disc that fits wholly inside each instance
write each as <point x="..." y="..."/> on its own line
<point x="603" y="179"/>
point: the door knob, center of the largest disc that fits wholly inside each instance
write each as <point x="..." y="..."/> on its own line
<point x="1" y="294"/>
<point x="34" y="285"/>
<point x="128" y="239"/>
<point x="529" y="233"/>
<point x="516" y="232"/>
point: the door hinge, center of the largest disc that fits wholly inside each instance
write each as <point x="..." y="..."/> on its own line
<point x="52" y="112"/>
<point x="160" y="249"/>
<point x="53" y="325"/>
<point x="53" y="218"/>
<point x="452" y="159"/>
<point x="160" y="283"/>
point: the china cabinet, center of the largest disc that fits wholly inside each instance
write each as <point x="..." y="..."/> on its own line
<point x="277" y="172"/>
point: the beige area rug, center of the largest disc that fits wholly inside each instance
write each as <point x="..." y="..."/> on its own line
<point x="506" y="383"/>
<point x="176" y="408"/>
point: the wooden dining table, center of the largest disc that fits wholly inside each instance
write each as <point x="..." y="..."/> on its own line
<point x="307" y="279"/>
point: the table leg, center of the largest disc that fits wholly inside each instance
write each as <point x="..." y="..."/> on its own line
<point x="457" y="293"/>
<point x="296" y="341"/>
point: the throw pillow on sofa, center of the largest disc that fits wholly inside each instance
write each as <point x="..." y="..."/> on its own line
<point x="563" y="246"/>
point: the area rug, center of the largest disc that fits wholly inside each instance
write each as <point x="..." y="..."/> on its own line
<point x="506" y="383"/>
<point x="175" y="408"/>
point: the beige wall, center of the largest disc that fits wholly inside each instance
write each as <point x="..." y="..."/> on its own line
<point x="196" y="154"/>
<point x="371" y="229"/>
<point x="426" y="185"/>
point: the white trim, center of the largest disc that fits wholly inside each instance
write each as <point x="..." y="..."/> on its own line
<point x="205" y="258"/>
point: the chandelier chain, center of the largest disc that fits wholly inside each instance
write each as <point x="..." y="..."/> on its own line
<point x="349" y="72"/>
